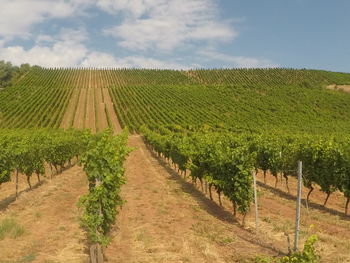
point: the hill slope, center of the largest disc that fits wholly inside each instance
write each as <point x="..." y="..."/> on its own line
<point x="239" y="99"/>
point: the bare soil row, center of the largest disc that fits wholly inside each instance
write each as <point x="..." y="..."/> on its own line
<point x="91" y="108"/>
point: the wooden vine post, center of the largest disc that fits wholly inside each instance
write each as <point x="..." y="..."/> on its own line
<point x="297" y="219"/>
<point x="96" y="253"/>
<point x="96" y="250"/>
<point x="16" y="183"/>
<point x="255" y="202"/>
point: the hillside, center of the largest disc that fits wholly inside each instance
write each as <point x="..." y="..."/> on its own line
<point x="238" y="99"/>
<point x="203" y="133"/>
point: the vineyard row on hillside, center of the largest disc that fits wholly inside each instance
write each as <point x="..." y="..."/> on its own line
<point x="226" y="161"/>
<point x="28" y="152"/>
<point x="244" y="99"/>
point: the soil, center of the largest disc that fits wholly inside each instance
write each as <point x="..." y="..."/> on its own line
<point x="194" y="76"/>
<point x="343" y="88"/>
<point x="111" y="112"/>
<point x="69" y="114"/>
<point x="49" y="217"/>
<point x="101" y="113"/>
<point x="329" y="223"/>
<point x="90" y="108"/>
<point x="79" y="118"/>
<point x="90" y="121"/>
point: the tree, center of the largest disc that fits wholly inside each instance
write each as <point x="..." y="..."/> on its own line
<point x="9" y="73"/>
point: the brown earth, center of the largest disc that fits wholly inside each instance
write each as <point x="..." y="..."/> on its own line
<point x="90" y="112"/>
<point x="90" y="120"/>
<point x="111" y="112"/>
<point x="95" y="81"/>
<point x="69" y="114"/>
<point x="49" y="217"/>
<point x="277" y="214"/>
<point x="91" y="106"/>
<point x="344" y="88"/>
<point x="101" y="112"/>
<point x="194" y="76"/>
<point x="79" y="118"/>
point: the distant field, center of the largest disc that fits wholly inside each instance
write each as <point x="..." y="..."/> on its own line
<point x="238" y="99"/>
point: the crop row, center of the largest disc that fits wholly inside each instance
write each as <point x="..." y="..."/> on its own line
<point x="226" y="161"/>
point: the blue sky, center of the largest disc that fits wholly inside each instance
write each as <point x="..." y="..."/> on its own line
<point x="177" y="33"/>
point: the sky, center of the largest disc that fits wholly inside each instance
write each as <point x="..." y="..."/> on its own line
<point x="176" y="34"/>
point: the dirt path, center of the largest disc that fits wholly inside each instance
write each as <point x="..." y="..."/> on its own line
<point x="101" y="112"/>
<point x="49" y="219"/>
<point x="91" y="105"/>
<point x="343" y="88"/>
<point x="79" y="118"/>
<point x="194" y="77"/>
<point x="70" y="111"/>
<point x="166" y="219"/>
<point x="90" y="121"/>
<point x="111" y="112"/>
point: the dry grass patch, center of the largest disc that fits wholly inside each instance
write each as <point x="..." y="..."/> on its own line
<point x="9" y="228"/>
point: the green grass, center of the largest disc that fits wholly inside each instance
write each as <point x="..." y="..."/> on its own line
<point x="9" y="228"/>
<point x="214" y="233"/>
<point x="28" y="258"/>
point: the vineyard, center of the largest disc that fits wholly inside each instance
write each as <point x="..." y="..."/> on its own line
<point x="214" y="128"/>
<point x="242" y="99"/>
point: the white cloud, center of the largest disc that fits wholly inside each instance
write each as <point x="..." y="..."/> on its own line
<point x="249" y="62"/>
<point x="235" y="61"/>
<point x="147" y="26"/>
<point x="151" y="63"/>
<point x="166" y="24"/>
<point x="66" y="50"/>
<point x="59" y="55"/>
<point x="105" y="60"/>
<point x="135" y="8"/>
<point x="100" y="60"/>
<point x="17" y="17"/>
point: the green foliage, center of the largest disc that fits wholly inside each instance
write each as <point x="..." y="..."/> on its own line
<point x="309" y="254"/>
<point x="103" y="163"/>
<point x="9" y="74"/>
<point x="6" y="165"/>
<point x="220" y="124"/>
<point x="225" y="160"/>
<point x="35" y="100"/>
<point x="231" y="99"/>
<point x="27" y="151"/>
<point x="210" y="157"/>
<point x="240" y="100"/>
<point x="102" y="156"/>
